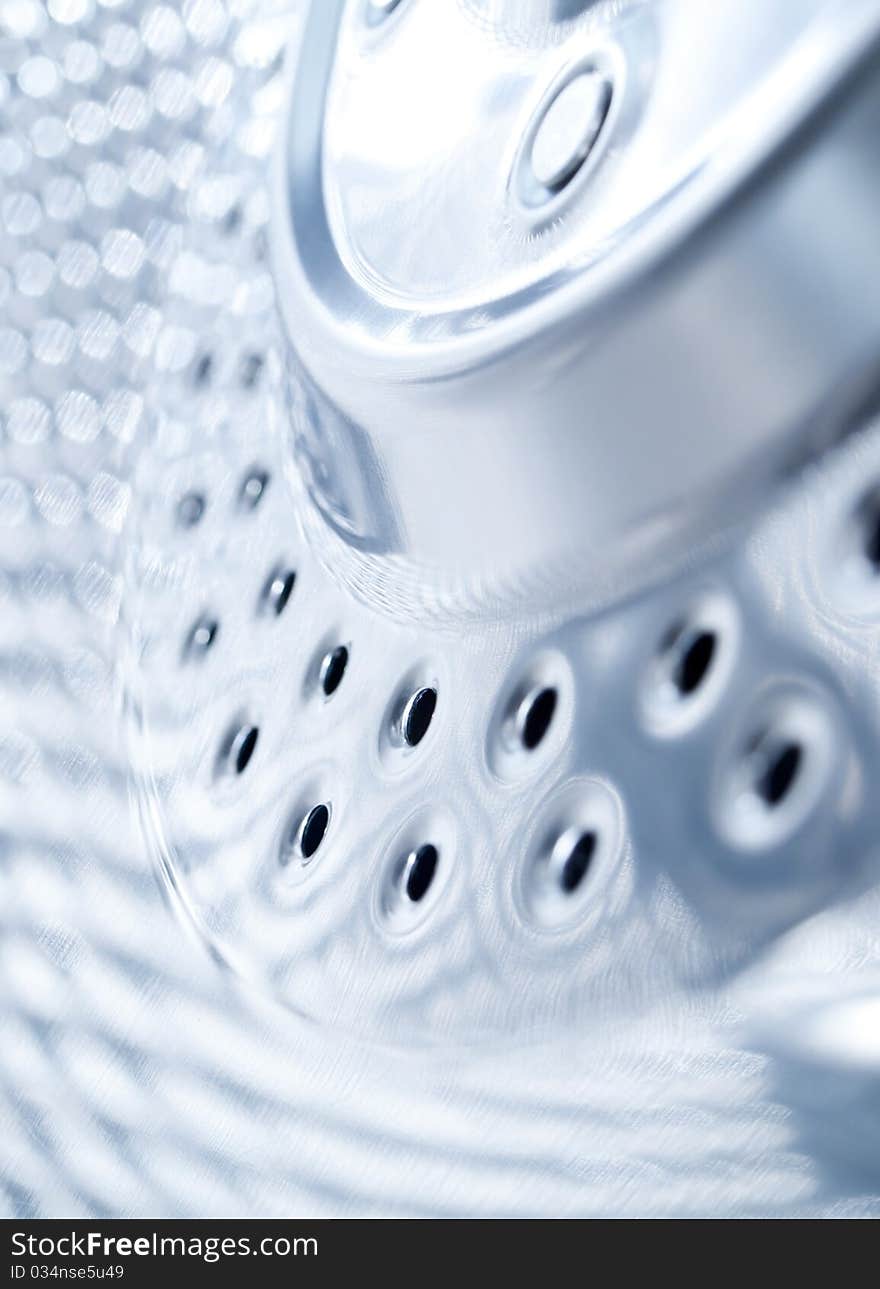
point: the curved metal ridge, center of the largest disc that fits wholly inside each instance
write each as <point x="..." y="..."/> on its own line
<point x="584" y="416"/>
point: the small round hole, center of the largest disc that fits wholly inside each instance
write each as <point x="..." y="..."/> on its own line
<point x="246" y="750"/>
<point x="690" y="668"/>
<point x="779" y="773"/>
<point x="190" y="509"/>
<point x="695" y="662"/>
<point x="203" y="370"/>
<point x="418" y="714"/>
<point x="253" y="488"/>
<point x="232" y="220"/>
<point x="333" y="669"/>
<point x="239" y="748"/>
<point x="571" y="856"/>
<point x="312" y="830"/>
<point x="534" y="716"/>
<point x="201" y="638"/>
<point x="251" y="367"/>
<point x="779" y="768"/>
<point x="577" y="861"/>
<point x="278" y="590"/>
<point x="868" y="517"/>
<point x="408" y="715"/>
<point x="417" y="875"/>
<point x="419" y="870"/>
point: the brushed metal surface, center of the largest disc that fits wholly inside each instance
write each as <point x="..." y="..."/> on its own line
<point x="191" y="1026"/>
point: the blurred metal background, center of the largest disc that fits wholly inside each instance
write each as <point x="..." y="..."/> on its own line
<point x="639" y="972"/>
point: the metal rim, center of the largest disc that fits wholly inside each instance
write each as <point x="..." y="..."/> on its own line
<point x="526" y="487"/>
<point x="772" y="132"/>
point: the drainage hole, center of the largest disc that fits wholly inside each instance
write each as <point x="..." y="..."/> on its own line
<point x="239" y="748"/>
<point x="246" y="749"/>
<point x="333" y="669"/>
<point x="313" y="829"/>
<point x="417" y="715"/>
<point x="694" y="662"/>
<point x="419" y="870"/>
<point x="201" y="638"/>
<point x="251" y="367"/>
<point x="868" y="515"/>
<point x="253" y="488"/>
<point x="558" y="880"/>
<point x="203" y="370"/>
<point x="190" y="509"/>
<point x="278" y="590"/>
<point x="534" y="716"/>
<point x="576" y="862"/>
<point x="776" y="777"/>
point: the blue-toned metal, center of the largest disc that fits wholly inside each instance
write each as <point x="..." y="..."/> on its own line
<point x="438" y="717"/>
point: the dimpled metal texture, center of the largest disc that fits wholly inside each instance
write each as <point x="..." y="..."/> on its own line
<point x="603" y="938"/>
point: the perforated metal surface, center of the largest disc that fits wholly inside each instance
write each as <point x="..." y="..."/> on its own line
<point x="640" y="975"/>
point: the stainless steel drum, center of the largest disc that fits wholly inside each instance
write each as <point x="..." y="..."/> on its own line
<point x="440" y="505"/>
